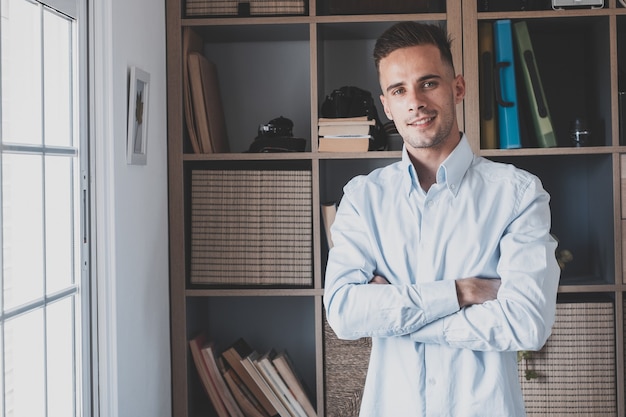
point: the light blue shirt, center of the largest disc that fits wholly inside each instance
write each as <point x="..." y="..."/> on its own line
<point x="429" y="357"/>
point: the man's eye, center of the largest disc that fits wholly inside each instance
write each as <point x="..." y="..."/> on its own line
<point x="430" y="84"/>
<point x="397" y="91"/>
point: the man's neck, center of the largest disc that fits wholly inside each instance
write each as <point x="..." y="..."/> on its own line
<point x="427" y="161"/>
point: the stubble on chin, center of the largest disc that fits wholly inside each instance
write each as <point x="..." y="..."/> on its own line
<point x="431" y="138"/>
<point x="423" y="140"/>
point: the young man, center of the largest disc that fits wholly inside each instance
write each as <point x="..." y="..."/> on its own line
<point x="460" y="244"/>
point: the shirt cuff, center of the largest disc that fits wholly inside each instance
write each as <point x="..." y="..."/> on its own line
<point x="441" y="300"/>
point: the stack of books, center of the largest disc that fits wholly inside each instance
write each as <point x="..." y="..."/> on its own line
<point x="346" y="134"/>
<point x="243" y="383"/>
<point x="204" y="113"/>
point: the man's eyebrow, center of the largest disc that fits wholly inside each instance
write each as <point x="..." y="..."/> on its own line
<point x="394" y="85"/>
<point x="420" y="79"/>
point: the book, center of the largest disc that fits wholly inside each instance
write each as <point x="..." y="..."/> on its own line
<point x="234" y="356"/>
<point x="506" y="92"/>
<point x="526" y="129"/>
<point x="356" y="120"/>
<point x="344" y="144"/>
<point x="196" y="344"/>
<point x="245" y="398"/>
<point x="329" y="211"/>
<point x="192" y="42"/>
<point x="538" y="105"/>
<point x="283" y="364"/>
<point x="268" y="371"/>
<point x="345" y="129"/>
<point x="208" y="353"/>
<point x="249" y="364"/>
<point x="207" y="104"/>
<point x="487" y="95"/>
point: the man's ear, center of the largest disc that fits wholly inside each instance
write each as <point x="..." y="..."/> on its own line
<point x="387" y="112"/>
<point x="459" y="88"/>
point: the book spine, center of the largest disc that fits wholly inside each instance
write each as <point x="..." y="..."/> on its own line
<point x="488" y="111"/>
<point x="196" y="346"/>
<point x="540" y="114"/>
<point x="506" y="94"/>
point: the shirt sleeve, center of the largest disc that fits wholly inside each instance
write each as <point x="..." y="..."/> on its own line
<point x="522" y="316"/>
<point x="356" y="309"/>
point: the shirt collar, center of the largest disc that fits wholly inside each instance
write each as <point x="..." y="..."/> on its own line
<point x="450" y="172"/>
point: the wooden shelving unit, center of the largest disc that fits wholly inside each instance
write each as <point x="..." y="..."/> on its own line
<point x="285" y="66"/>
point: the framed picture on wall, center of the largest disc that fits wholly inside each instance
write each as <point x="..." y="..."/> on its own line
<point x="138" y="95"/>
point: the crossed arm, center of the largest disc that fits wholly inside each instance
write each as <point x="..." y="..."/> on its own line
<point x="469" y="291"/>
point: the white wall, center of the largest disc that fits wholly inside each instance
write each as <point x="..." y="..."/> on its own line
<point x="139" y="357"/>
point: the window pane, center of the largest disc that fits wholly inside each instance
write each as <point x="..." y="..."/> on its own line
<point x="59" y="223"/>
<point x="22" y="228"/>
<point x="60" y="332"/>
<point x="24" y="365"/>
<point x="21" y="72"/>
<point x="57" y="79"/>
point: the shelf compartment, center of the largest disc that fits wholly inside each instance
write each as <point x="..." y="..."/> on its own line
<point x="576" y="366"/>
<point x="250" y="227"/>
<point x="221" y="8"/>
<point x="578" y="361"/>
<point x="571" y="55"/>
<point x="264" y="73"/>
<point x="515" y="6"/>
<point x="334" y="175"/>
<point x="345" y="370"/>
<point x="280" y="323"/>
<point x="344" y="55"/>
<point x="581" y="203"/>
<point x="351" y="7"/>
<point x="344" y="58"/>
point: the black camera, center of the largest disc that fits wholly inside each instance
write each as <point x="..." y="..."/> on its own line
<point x="275" y="128"/>
<point x="277" y="136"/>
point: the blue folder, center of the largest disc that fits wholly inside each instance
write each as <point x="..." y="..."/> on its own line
<point x="506" y="93"/>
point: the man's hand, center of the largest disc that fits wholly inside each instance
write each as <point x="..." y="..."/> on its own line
<point x="378" y="280"/>
<point x="476" y="290"/>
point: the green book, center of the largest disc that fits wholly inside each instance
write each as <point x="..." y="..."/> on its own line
<point x="488" y="109"/>
<point x="538" y="105"/>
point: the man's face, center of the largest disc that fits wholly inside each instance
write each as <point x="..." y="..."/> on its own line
<point x="420" y="93"/>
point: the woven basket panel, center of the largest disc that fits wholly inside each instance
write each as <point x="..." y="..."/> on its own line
<point x="251" y="227"/>
<point x="576" y="367"/>
<point x="345" y="368"/>
<point x="253" y="7"/>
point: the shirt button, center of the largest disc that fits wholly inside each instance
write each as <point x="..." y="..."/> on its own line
<point x="452" y="186"/>
<point x="432" y="381"/>
<point x="430" y="203"/>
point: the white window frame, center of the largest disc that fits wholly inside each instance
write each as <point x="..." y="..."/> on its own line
<point x="78" y="10"/>
<point x="104" y="369"/>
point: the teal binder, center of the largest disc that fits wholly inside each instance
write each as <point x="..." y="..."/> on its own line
<point x="542" y="122"/>
<point x="506" y="93"/>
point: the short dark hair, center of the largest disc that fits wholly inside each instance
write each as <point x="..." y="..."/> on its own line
<point x="407" y="34"/>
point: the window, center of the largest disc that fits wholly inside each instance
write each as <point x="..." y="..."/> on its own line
<point x="43" y="170"/>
